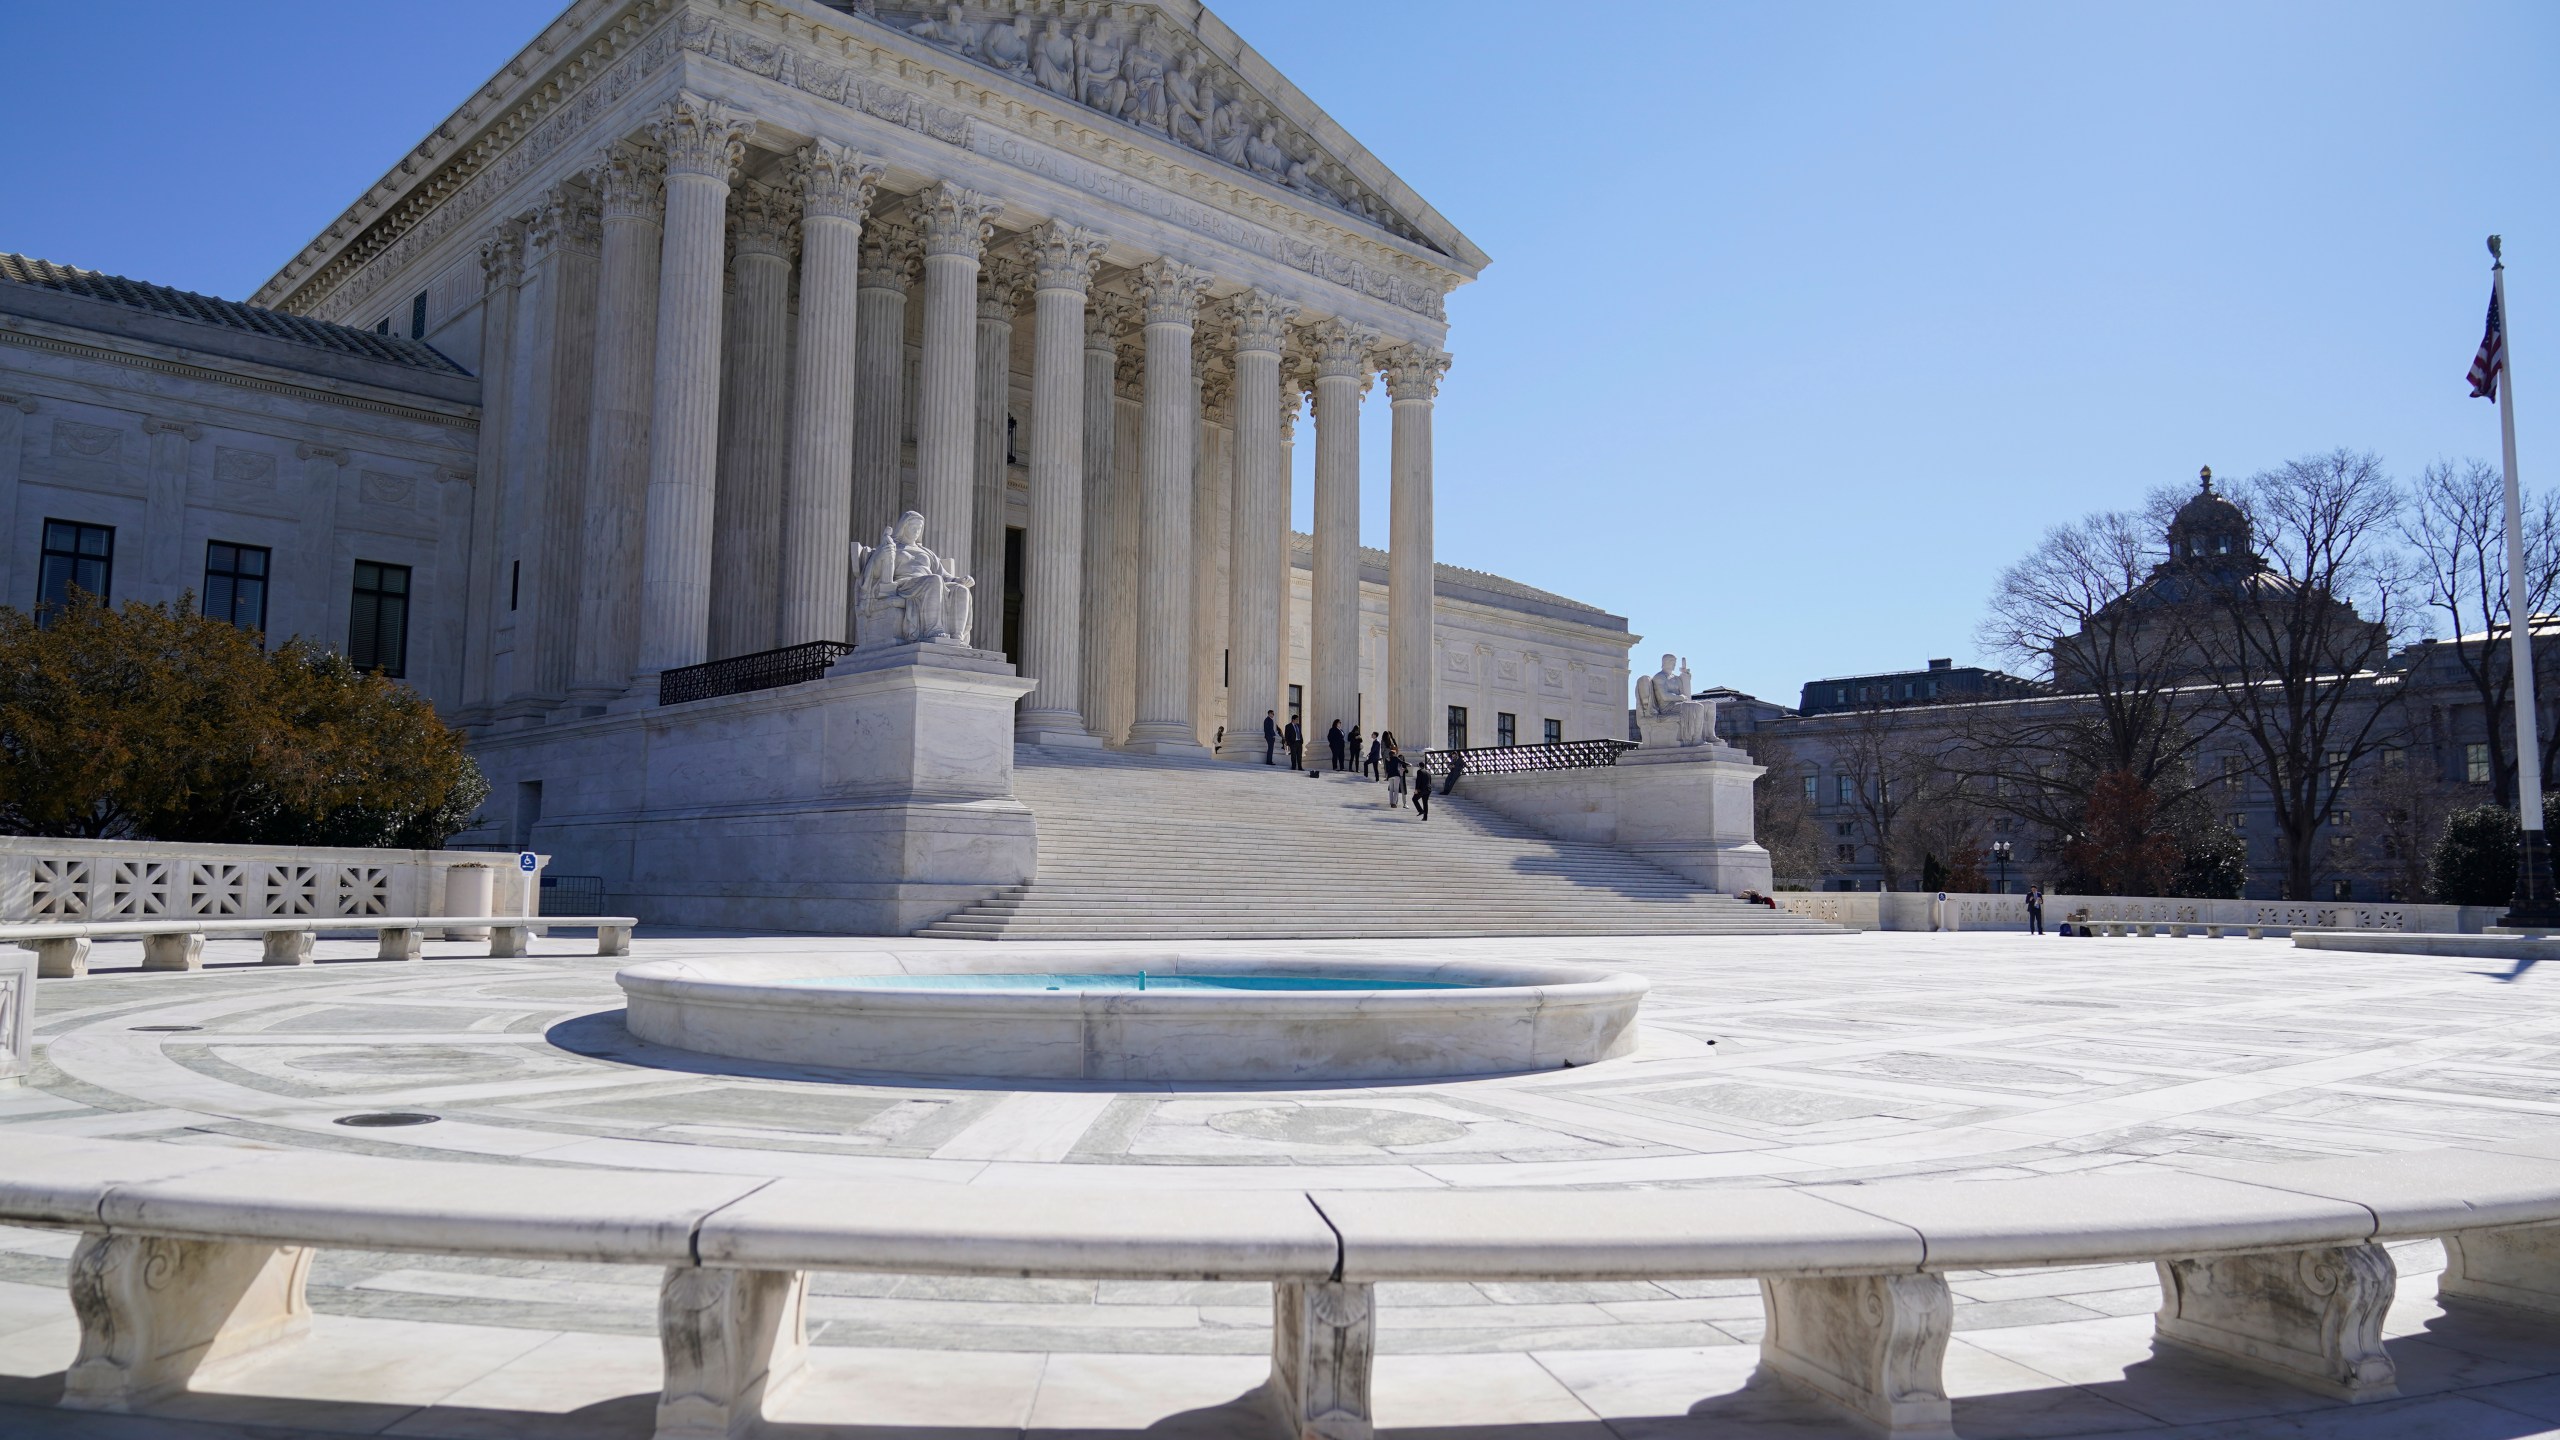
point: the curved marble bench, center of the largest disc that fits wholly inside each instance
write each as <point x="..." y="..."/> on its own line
<point x="194" y="1254"/>
<point x="62" y="947"/>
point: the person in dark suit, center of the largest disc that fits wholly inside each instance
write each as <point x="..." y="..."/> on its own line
<point x="1422" y="792"/>
<point x="1333" y="738"/>
<point x="1296" y="738"/>
<point x="2035" y="909"/>
<point x="1377" y="753"/>
<point x="1270" y="733"/>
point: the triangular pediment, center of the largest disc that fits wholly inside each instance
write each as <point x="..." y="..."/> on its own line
<point x="1174" y="70"/>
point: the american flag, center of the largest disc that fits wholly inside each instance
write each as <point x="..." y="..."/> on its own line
<point x="2493" y="354"/>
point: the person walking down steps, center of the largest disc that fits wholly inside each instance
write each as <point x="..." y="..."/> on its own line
<point x="1333" y="739"/>
<point x="1395" y="783"/>
<point x="1421" y="792"/>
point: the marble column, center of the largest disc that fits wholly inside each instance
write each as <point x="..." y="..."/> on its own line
<point x="755" y="418"/>
<point x="1413" y="380"/>
<point x="1002" y="280"/>
<point x="1129" y="422"/>
<point x="631" y="186"/>
<point x="703" y="140"/>
<point x="1171" y="291"/>
<point x="501" y="273"/>
<point x="1063" y="258"/>
<point x="891" y="253"/>
<point x="1333" y="621"/>
<point x="1258" y="525"/>
<point x="835" y="187"/>
<point x="956" y="224"/>
<point x="1213" y="380"/>
<point x="1101" y="426"/>
<point x="550" y="483"/>
<point x="1295" y="397"/>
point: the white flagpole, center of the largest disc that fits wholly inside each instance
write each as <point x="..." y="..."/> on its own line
<point x="2533" y="882"/>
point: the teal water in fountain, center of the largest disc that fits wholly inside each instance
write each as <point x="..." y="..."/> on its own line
<point x="1170" y="984"/>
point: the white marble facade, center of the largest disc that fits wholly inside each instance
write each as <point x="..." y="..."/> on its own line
<point x="744" y="281"/>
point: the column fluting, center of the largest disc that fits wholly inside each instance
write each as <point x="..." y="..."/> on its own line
<point x="502" y="275"/>
<point x="891" y="255"/>
<point x="1171" y="291"/>
<point x="1413" y="381"/>
<point x="1333" y="621"/>
<point x="631" y="183"/>
<point x="703" y="141"/>
<point x="755" y="419"/>
<point x="1002" y="281"/>
<point x="955" y="223"/>
<point x="835" y="186"/>
<point x="567" y="233"/>
<point x="1101" y="425"/>
<point x="1063" y="258"/>
<point x="1258" y="530"/>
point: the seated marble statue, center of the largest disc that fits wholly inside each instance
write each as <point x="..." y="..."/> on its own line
<point x="1665" y="715"/>
<point x="904" y="594"/>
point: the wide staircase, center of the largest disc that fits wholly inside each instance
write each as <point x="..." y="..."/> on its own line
<point x="1133" y="848"/>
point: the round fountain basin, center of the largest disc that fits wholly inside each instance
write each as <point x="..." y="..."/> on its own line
<point x="1285" y="1019"/>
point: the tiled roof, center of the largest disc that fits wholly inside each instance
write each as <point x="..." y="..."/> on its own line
<point x="229" y="314"/>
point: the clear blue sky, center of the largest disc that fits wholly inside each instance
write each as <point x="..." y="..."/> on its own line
<point x="1804" y="319"/>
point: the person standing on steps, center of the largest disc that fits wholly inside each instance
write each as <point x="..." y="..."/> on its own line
<point x="1422" y="792"/>
<point x="1333" y="738"/>
<point x="1376" y="753"/>
<point x="1296" y="738"/>
<point x="2035" y="909"/>
<point x="1395" y="783"/>
<point x="1270" y="733"/>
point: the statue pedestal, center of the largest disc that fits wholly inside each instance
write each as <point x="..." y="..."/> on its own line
<point x="874" y="800"/>
<point x="1685" y="808"/>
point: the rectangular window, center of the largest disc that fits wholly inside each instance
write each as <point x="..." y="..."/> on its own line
<point x="2392" y="756"/>
<point x="2235" y="772"/>
<point x="2239" y="820"/>
<point x="2337" y="770"/>
<point x="1506" y="728"/>
<point x="1457" y="727"/>
<point x="382" y="326"/>
<point x="1845" y="854"/>
<point x="1844" y="829"/>
<point x="418" y="316"/>
<point x="1813" y="789"/>
<point x="1844" y="790"/>
<point x="1298" y="703"/>
<point x="2342" y="890"/>
<point x="1555" y="732"/>
<point x="378" y="620"/>
<point x="75" y="557"/>
<point x="235" y="584"/>
<point x="2342" y="818"/>
<point x="515" y="582"/>
<point x="2475" y="764"/>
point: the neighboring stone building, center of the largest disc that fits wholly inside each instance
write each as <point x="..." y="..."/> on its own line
<point x="299" y="477"/>
<point x="1942" y="683"/>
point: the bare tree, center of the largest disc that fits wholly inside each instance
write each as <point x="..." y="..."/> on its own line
<point x="1782" y="817"/>
<point x="2456" y="532"/>
<point x="2285" y="643"/>
<point x="2094" y="611"/>
<point x="1892" y="768"/>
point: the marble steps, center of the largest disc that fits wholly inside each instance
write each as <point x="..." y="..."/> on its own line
<point x="1136" y="848"/>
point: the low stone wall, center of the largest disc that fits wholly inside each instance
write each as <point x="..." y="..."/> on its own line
<point x="69" y="880"/>
<point x="1686" y="810"/>
<point x="1920" y="910"/>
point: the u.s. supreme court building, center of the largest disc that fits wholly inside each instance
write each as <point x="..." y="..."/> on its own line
<point x="570" y="419"/>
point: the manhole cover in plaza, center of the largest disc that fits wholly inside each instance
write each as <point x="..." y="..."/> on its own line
<point x="166" y="1029"/>
<point x="384" y="1119"/>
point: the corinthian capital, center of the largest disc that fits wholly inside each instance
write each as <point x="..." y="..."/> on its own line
<point x="891" y="251"/>
<point x="631" y="183"/>
<point x="1414" y="371"/>
<point x="1063" y="256"/>
<point x="762" y="219"/>
<point x="1262" y="322"/>
<point x="566" y="219"/>
<point x="955" y="221"/>
<point x="835" y="182"/>
<point x="502" y="255"/>
<point x="1171" y="291"/>
<point x="701" y="137"/>
<point x="1002" y="280"/>
<point x="1342" y="348"/>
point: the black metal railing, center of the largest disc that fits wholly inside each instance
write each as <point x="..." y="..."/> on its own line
<point x="572" y="894"/>
<point x="739" y="674"/>
<point x="1521" y="759"/>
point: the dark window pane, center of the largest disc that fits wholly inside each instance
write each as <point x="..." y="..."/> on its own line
<point x="235" y="586"/>
<point x="75" y="557"/>
<point x="378" y="618"/>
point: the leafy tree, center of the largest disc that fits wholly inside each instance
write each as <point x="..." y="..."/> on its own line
<point x="2475" y="861"/>
<point x="151" y="721"/>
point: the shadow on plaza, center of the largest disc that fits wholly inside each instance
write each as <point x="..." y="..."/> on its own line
<point x="604" y="1035"/>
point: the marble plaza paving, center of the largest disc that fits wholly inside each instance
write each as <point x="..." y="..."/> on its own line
<point x="1765" y="1061"/>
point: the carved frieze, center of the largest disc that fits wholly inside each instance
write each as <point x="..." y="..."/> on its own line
<point x="378" y="488"/>
<point x="77" y="440"/>
<point x="1133" y="68"/>
<point x="249" y="469"/>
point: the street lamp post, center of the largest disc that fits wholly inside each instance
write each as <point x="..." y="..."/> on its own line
<point x="2000" y="852"/>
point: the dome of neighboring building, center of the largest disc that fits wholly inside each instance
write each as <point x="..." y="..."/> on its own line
<point x="2208" y="525"/>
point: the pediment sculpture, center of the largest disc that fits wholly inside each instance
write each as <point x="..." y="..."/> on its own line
<point x="904" y="594"/>
<point x="1666" y="716"/>
<point x="1155" y="78"/>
